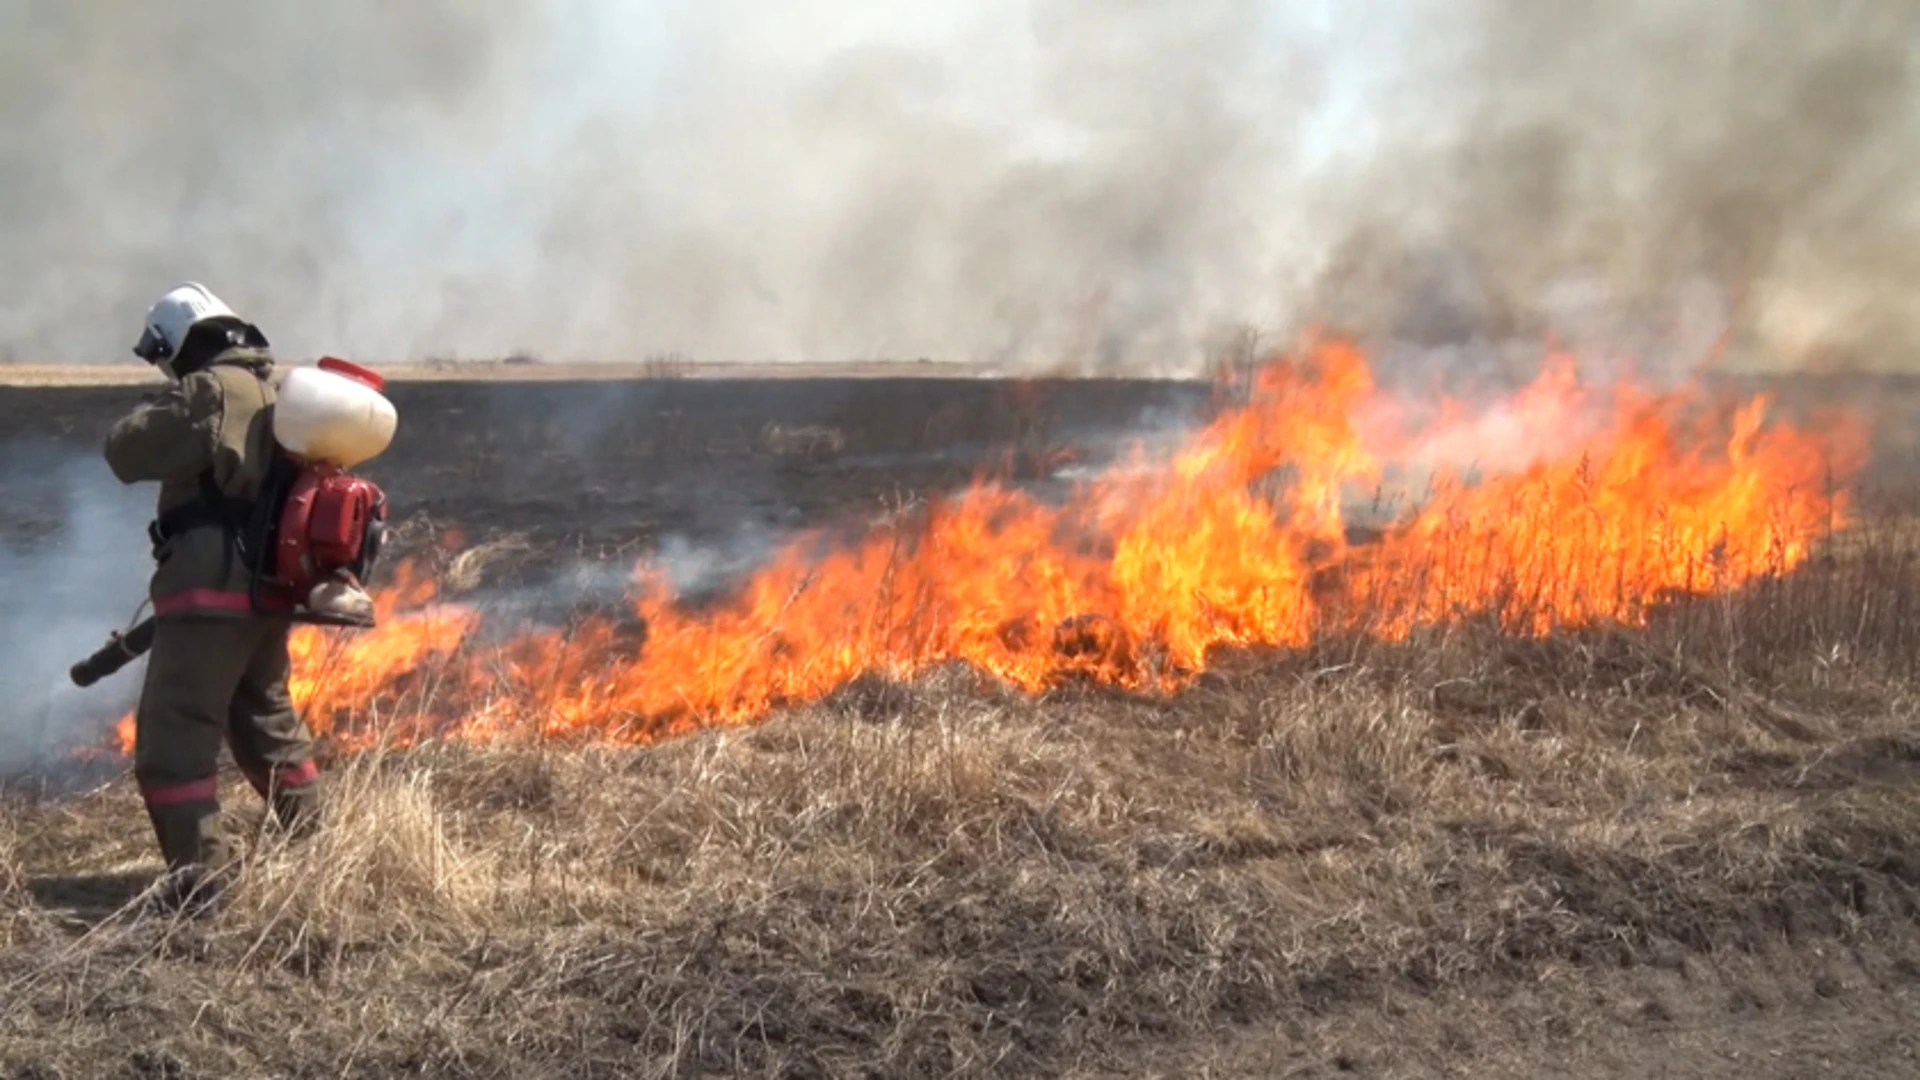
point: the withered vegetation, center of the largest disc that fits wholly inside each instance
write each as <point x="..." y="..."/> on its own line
<point x="945" y="878"/>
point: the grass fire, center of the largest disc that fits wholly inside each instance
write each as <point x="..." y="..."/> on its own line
<point x="1137" y="578"/>
<point x="1315" y="723"/>
<point x="1017" y="538"/>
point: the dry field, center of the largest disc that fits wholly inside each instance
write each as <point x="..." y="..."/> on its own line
<point x="1685" y="848"/>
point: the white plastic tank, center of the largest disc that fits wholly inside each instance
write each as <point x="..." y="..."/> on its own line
<point x="334" y="413"/>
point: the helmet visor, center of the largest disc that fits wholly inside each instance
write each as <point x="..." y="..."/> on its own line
<point x="151" y="347"/>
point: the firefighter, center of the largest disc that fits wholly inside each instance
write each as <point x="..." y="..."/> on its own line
<point x="217" y="670"/>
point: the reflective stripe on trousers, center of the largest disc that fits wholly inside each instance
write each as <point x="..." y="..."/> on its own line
<point x="180" y="794"/>
<point x="281" y="777"/>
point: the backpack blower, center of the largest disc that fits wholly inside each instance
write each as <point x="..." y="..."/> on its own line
<point x="314" y="531"/>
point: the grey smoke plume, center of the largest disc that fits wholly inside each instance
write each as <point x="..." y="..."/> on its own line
<point x="298" y="158"/>
<point x="1043" y="183"/>
<point x="73" y="566"/>
<point x="1669" y="177"/>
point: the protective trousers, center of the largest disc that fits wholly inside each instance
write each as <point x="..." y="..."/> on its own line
<point x="211" y="679"/>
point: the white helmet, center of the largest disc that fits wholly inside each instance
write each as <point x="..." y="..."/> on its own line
<point x="171" y="316"/>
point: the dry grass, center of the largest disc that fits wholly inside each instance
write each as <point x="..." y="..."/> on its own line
<point x="943" y="879"/>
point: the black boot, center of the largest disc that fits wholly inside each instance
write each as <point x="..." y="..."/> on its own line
<point x="199" y="858"/>
<point x="191" y="891"/>
<point x="296" y="810"/>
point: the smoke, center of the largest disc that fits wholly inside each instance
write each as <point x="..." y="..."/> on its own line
<point x="1689" y="182"/>
<point x="311" y="163"/>
<point x="74" y="566"/>
<point x="1056" y="182"/>
<point x="1059" y="184"/>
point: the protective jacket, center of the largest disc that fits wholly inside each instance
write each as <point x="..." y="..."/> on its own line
<point x="208" y="440"/>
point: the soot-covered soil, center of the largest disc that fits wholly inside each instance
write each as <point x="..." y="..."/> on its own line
<point x="595" y="466"/>
<point x="1686" y="852"/>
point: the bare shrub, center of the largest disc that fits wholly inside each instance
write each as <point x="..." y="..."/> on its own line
<point x="807" y="443"/>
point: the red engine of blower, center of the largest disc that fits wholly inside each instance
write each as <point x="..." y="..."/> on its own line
<point x="331" y="521"/>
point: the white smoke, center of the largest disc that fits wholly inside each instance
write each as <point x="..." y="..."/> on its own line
<point x="1042" y="183"/>
<point x="74" y="567"/>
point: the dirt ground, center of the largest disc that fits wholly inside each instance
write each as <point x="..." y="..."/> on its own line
<point x="603" y="469"/>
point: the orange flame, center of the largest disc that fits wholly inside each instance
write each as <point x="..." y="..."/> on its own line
<point x="1622" y="501"/>
<point x="337" y="674"/>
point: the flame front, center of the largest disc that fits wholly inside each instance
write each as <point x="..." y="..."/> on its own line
<point x="1626" y="499"/>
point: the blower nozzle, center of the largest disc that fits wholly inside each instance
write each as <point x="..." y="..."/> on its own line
<point x="119" y="651"/>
